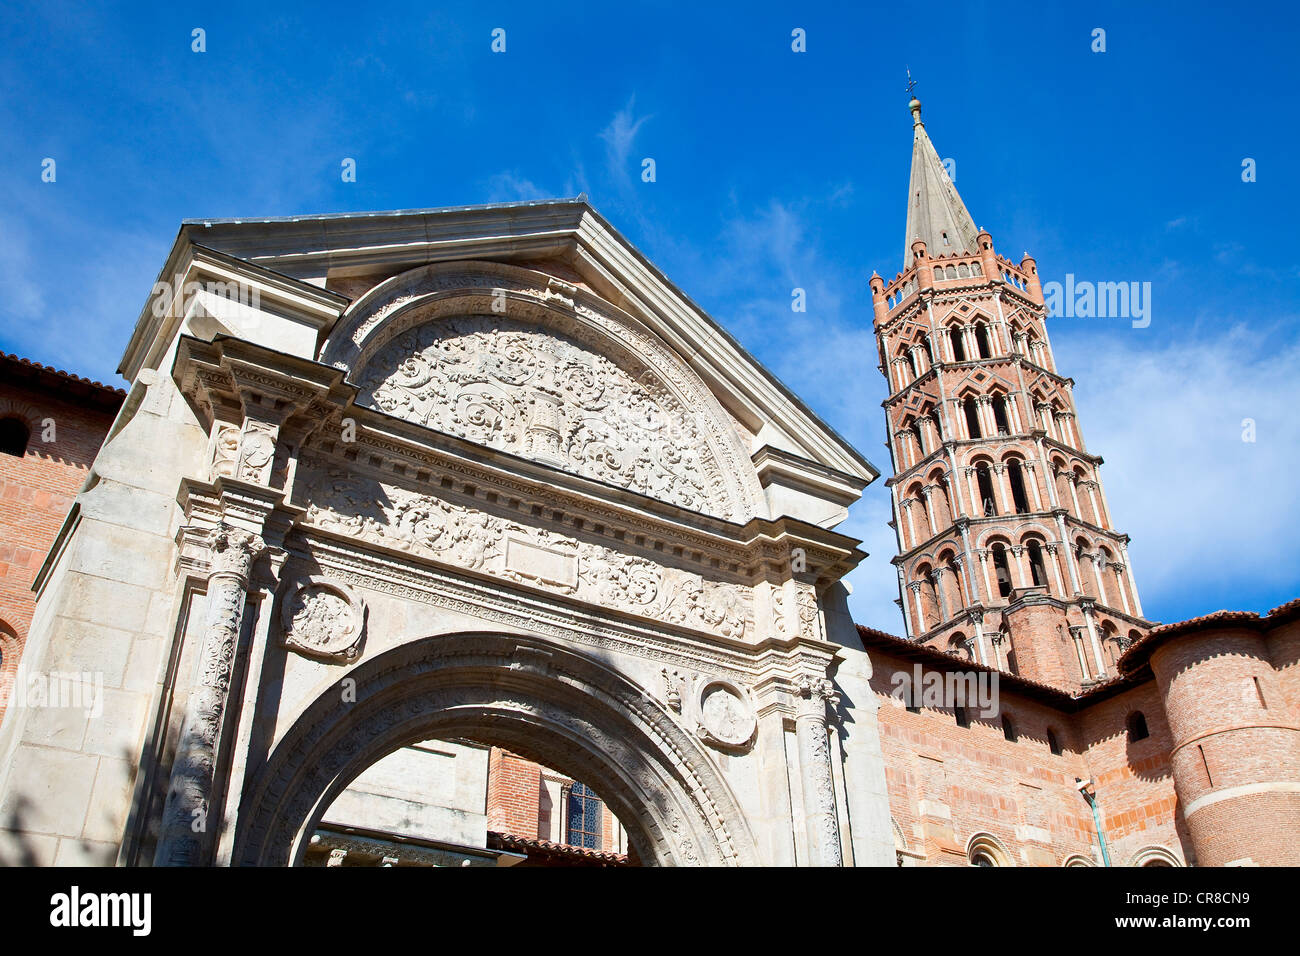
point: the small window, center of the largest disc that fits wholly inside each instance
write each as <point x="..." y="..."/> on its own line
<point x="958" y="349"/>
<point x="14" y="436"/>
<point x="584" y="818"/>
<point x="961" y="715"/>
<point x="972" y="419"/>
<point x="913" y="699"/>
<point x="1009" y="729"/>
<point x="1053" y="744"/>
<point x="1137" y="726"/>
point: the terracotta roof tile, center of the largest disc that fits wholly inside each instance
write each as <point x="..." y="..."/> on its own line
<point x="51" y="370"/>
<point x="1140" y="652"/>
<point x="511" y="842"/>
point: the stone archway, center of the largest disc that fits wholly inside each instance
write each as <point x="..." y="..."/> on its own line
<point x="564" y="708"/>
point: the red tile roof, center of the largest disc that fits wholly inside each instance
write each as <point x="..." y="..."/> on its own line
<point x="53" y="377"/>
<point x="1140" y="652"/>
<point x="1044" y="693"/>
<point x="509" y="841"/>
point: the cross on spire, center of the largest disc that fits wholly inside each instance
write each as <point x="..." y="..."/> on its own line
<point x="911" y="83"/>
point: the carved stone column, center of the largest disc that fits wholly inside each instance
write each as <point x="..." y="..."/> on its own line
<point x="184" y="838"/>
<point x="820" y="815"/>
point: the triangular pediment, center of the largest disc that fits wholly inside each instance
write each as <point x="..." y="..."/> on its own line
<point x="350" y="254"/>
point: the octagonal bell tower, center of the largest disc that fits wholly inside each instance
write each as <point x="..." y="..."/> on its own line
<point x="1007" y="553"/>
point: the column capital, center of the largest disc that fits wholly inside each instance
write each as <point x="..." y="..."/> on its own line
<point x="814" y="695"/>
<point x="232" y="552"/>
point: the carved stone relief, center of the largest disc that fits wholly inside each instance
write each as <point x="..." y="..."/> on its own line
<point x="545" y="396"/>
<point x="323" y="619"/>
<point x="398" y="518"/>
<point x="225" y="452"/>
<point x="256" y="450"/>
<point x="726" y="716"/>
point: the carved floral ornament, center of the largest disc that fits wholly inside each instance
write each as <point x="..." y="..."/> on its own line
<point x="322" y="619"/>
<point x="425" y="525"/>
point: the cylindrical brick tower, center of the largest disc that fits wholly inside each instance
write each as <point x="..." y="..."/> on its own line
<point x="1236" y="738"/>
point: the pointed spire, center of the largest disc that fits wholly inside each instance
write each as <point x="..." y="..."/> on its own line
<point x="935" y="213"/>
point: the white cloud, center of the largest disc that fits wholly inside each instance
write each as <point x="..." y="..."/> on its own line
<point x="1210" y="514"/>
<point x="22" y="295"/>
<point x="619" y="136"/>
<point x="509" y="186"/>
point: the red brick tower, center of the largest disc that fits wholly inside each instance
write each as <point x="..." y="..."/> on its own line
<point x="1006" y="549"/>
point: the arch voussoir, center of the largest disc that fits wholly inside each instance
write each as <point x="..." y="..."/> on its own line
<point x="554" y="704"/>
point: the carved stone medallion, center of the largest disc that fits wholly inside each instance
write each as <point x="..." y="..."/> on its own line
<point x="323" y="619"/>
<point x="726" y="716"/>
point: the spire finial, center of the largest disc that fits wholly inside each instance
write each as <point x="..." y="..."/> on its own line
<point x="915" y="104"/>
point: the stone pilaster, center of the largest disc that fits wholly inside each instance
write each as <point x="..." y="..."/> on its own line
<point x="820" y="814"/>
<point x="184" y="839"/>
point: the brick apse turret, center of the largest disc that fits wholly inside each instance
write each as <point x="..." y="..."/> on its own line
<point x="1007" y="553"/>
<point x="1231" y="688"/>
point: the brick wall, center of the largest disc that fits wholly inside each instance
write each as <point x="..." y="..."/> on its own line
<point x="948" y="783"/>
<point x="515" y="804"/>
<point x="514" y="795"/>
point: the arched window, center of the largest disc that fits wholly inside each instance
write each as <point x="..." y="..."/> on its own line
<point x="14" y="435"/>
<point x="1089" y="579"/>
<point x="929" y="599"/>
<point x="1009" y="729"/>
<point x="1037" y="570"/>
<point x="584" y="818"/>
<point x="955" y="578"/>
<point x="957" y="646"/>
<point x="940" y="500"/>
<point x="1000" y="415"/>
<point x="1137" y="726"/>
<point x="1105" y="560"/>
<point x="958" y="349"/>
<point x="1002" y="569"/>
<point x="982" y="340"/>
<point x="984" y="849"/>
<point x="984" y="480"/>
<point x="1016" y="478"/>
<point x="914" y="426"/>
<point x="972" y="418"/>
<point x="1110" y="643"/>
<point x="1053" y="744"/>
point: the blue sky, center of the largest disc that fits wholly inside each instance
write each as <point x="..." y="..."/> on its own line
<point x="775" y="170"/>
